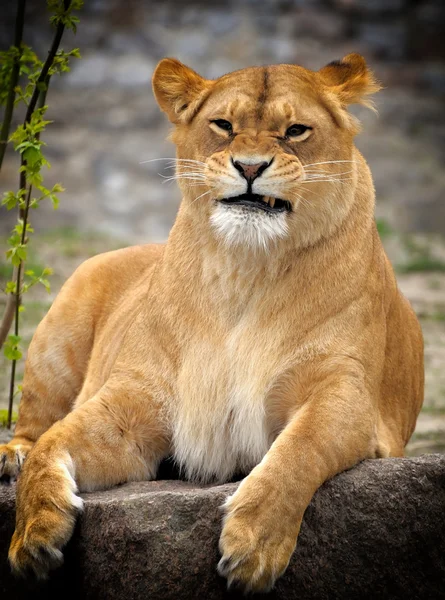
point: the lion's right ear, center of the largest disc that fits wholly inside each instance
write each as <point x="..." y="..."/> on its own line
<point x="179" y="91"/>
<point x="350" y="80"/>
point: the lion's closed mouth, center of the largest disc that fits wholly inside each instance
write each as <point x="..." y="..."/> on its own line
<point x="266" y="203"/>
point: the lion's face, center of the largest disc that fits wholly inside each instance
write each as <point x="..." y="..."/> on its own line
<point x="265" y="151"/>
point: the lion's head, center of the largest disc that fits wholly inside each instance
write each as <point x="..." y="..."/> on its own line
<point x="267" y="153"/>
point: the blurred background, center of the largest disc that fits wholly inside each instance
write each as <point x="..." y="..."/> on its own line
<point x="106" y="123"/>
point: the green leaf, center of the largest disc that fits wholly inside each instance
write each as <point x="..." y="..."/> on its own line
<point x="55" y="200"/>
<point x="19" y="228"/>
<point x="32" y="156"/>
<point x="11" y="255"/>
<point x="46" y="284"/>
<point x="11" y="200"/>
<point x="11" y="287"/>
<point x="17" y="254"/>
<point x="14" y="240"/>
<point x="22" y="252"/>
<point x="12" y="353"/>
<point x="11" y="348"/>
<point x="35" y="179"/>
<point x="57" y="188"/>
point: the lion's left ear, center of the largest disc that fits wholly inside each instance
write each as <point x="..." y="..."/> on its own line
<point x="178" y="90"/>
<point x="350" y="80"/>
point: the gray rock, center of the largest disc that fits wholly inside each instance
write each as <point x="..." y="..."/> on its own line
<point x="376" y="531"/>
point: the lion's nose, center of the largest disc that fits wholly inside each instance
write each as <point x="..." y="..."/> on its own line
<point x="250" y="172"/>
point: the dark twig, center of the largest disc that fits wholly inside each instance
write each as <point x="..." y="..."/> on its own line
<point x="18" y="287"/>
<point x="9" y="108"/>
<point x="8" y="315"/>
<point x="46" y="67"/>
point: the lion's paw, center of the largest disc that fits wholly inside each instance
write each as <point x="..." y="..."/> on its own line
<point x="33" y="551"/>
<point x="47" y="507"/>
<point x="12" y="457"/>
<point x="256" y="542"/>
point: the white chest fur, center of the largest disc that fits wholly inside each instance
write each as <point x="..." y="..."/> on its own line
<point x="220" y="421"/>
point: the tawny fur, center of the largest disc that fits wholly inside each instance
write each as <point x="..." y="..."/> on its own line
<point x="278" y="343"/>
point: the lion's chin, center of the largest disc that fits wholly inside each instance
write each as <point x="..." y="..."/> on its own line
<point x="239" y="224"/>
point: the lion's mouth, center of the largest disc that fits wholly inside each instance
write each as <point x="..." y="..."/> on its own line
<point x="266" y="203"/>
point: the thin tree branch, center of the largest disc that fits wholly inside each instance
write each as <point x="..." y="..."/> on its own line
<point x="8" y="315"/>
<point x="23" y="211"/>
<point x="47" y="65"/>
<point x="18" y="289"/>
<point x="9" y="108"/>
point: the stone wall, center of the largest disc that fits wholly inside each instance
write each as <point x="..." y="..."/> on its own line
<point x="106" y="121"/>
<point x="374" y="532"/>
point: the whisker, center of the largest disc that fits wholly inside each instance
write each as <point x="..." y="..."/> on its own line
<point x="326" y="180"/>
<point x="191" y="179"/>
<point x="174" y="160"/>
<point x="300" y="198"/>
<point x="182" y="167"/>
<point x="185" y="165"/>
<point x="329" y="162"/>
<point x="316" y="172"/>
<point x="191" y="183"/>
<point x="186" y="160"/>
<point x="204" y="194"/>
<point x="196" y="180"/>
<point x="328" y="175"/>
<point x="183" y="176"/>
<point x="312" y="192"/>
<point x="171" y="158"/>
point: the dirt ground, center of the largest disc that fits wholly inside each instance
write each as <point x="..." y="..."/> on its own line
<point x="65" y="249"/>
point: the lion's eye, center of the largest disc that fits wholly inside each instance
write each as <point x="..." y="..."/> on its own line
<point x="224" y="125"/>
<point x="297" y="130"/>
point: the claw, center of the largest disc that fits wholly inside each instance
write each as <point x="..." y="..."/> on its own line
<point x="228" y="564"/>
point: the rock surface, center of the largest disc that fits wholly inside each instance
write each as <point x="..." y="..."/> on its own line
<point x="376" y="531"/>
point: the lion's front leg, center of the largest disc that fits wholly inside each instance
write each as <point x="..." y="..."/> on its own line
<point x="113" y="438"/>
<point x="331" y="432"/>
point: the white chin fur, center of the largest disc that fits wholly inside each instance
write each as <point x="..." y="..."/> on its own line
<point x="238" y="225"/>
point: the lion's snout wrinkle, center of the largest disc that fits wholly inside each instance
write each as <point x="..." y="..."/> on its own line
<point x="267" y="336"/>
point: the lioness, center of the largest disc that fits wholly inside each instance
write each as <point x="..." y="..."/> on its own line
<point x="267" y="337"/>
